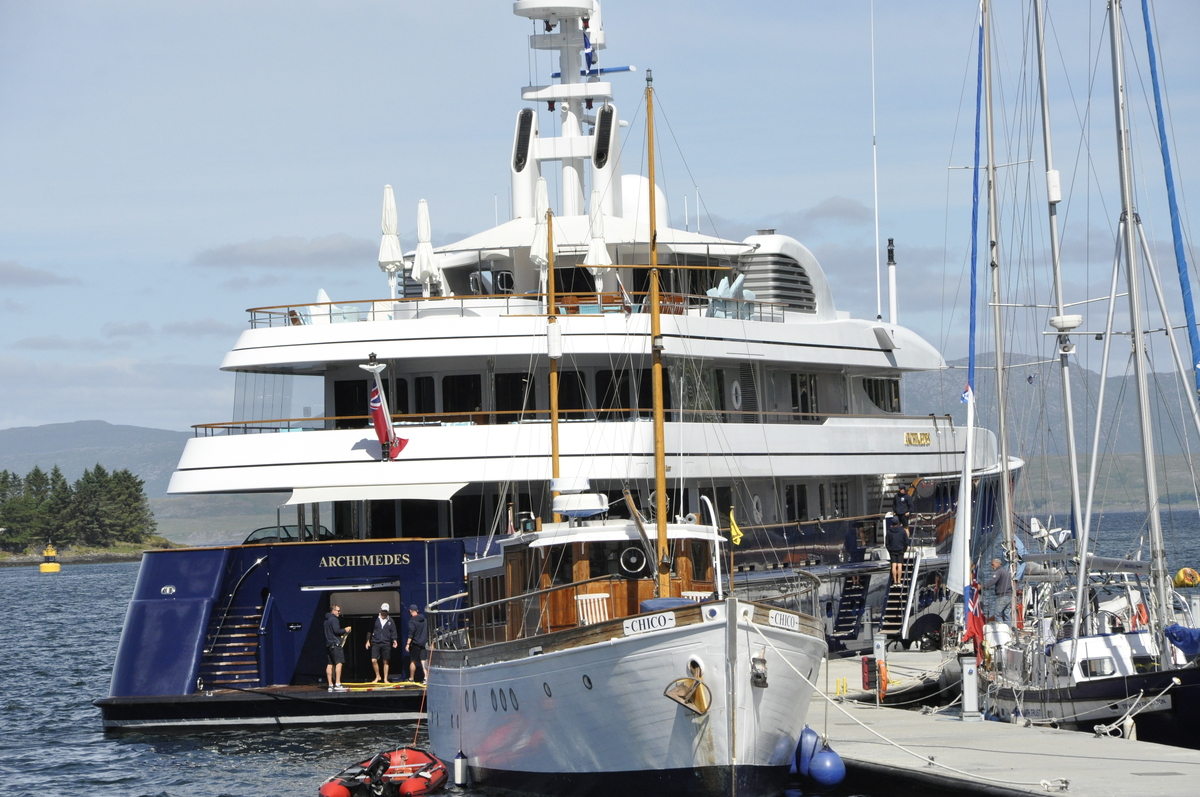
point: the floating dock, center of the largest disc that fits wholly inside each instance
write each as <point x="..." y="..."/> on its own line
<point x="941" y="752"/>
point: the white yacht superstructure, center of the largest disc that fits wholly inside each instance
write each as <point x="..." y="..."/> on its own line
<point x="780" y="408"/>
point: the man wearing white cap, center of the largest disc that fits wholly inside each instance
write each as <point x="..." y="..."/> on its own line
<point x="383" y="639"/>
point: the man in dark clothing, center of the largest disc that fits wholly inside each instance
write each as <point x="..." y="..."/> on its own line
<point x="418" y="638"/>
<point x="902" y="505"/>
<point x="383" y="639"/>
<point x="895" y="539"/>
<point x="1001" y="580"/>
<point x="335" y="637"/>
<point x="853" y="543"/>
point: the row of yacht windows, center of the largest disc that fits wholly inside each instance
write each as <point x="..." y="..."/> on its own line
<point x="745" y="394"/>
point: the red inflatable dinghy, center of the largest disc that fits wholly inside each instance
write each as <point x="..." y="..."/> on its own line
<point x="404" y="772"/>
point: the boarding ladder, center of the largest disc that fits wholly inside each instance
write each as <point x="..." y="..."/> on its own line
<point x="850" y="606"/>
<point x="900" y="599"/>
<point x="231" y="648"/>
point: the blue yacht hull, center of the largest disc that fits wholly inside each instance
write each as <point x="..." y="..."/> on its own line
<point x="234" y="635"/>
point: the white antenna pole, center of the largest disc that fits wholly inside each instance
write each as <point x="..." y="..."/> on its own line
<point x="686" y="228"/>
<point x="875" y="172"/>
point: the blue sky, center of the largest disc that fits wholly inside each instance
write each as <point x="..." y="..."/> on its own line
<point x="164" y="166"/>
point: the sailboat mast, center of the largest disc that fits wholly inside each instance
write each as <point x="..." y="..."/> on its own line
<point x="1065" y="347"/>
<point x="554" y="347"/>
<point x="656" y="345"/>
<point x="1006" y="523"/>
<point x="1158" y="563"/>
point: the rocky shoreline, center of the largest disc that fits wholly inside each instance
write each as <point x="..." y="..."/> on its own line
<point x="91" y="558"/>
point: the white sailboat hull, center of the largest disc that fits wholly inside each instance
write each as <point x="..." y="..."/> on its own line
<point x="593" y="716"/>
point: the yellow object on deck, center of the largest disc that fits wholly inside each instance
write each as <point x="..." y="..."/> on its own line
<point x="50" y="560"/>
<point x="1187" y="577"/>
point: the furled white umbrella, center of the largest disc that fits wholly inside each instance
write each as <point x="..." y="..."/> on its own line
<point x="425" y="269"/>
<point x="391" y="258"/>
<point x="597" y="254"/>
<point x="539" y="251"/>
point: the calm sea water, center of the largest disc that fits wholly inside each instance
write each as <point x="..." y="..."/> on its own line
<point x="62" y="638"/>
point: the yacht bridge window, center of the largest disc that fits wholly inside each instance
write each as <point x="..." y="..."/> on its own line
<point x="884" y="393"/>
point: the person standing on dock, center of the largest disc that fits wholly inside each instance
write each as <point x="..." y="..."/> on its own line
<point x="383" y="639"/>
<point x="1001" y="581"/>
<point x="335" y="637"/>
<point x="418" y="638"/>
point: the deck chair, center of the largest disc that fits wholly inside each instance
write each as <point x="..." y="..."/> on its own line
<point x="591" y="609"/>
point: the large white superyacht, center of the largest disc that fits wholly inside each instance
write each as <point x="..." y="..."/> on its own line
<point x="782" y="412"/>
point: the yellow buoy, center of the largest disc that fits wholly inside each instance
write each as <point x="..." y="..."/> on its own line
<point x="50" y="560"/>
<point x="1187" y="577"/>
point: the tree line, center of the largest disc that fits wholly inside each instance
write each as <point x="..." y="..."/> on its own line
<point x="99" y="510"/>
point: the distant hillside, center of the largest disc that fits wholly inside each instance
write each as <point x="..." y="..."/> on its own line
<point x="1035" y="407"/>
<point x="149" y="453"/>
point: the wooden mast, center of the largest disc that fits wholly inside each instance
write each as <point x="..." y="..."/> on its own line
<point x="656" y="345"/>
<point x="554" y="349"/>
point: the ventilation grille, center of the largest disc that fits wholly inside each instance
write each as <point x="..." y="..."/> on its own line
<point x="778" y="278"/>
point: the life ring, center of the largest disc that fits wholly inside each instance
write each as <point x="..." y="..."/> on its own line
<point x="1141" y="617"/>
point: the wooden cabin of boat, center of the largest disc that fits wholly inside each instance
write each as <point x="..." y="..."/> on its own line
<point x="581" y="572"/>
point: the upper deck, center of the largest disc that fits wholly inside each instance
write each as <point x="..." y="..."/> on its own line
<point x="308" y="338"/>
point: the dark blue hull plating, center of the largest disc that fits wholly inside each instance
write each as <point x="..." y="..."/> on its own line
<point x="210" y="631"/>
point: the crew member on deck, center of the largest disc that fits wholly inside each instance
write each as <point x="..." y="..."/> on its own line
<point x="383" y="639"/>
<point x="1001" y="580"/>
<point x="418" y="638"/>
<point x="902" y="504"/>
<point x="895" y="539"/>
<point x="335" y="637"/>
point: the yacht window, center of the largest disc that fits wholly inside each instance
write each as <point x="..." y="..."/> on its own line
<point x="1099" y="668"/>
<point x="514" y="393"/>
<point x="701" y="560"/>
<point x="884" y="393"/>
<point x="572" y="393"/>
<point x="401" y="405"/>
<point x="645" y="392"/>
<point x="804" y="397"/>
<point x="350" y="403"/>
<point x="702" y="390"/>
<point x="573" y="279"/>
<point x="795" y="502"/>
<point x="612" y="389"/>
<point x="560" y="564"/>
<point x="423" y="396"/>
<point x="834" y="499"/>
<point x="605" y="558"/>
<point x="462" y="393"/>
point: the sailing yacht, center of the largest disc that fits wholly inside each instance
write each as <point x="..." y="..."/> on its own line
<point x="1101" y="654"/>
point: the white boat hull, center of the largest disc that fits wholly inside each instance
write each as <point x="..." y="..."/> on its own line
<point x="594" y="716"/>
